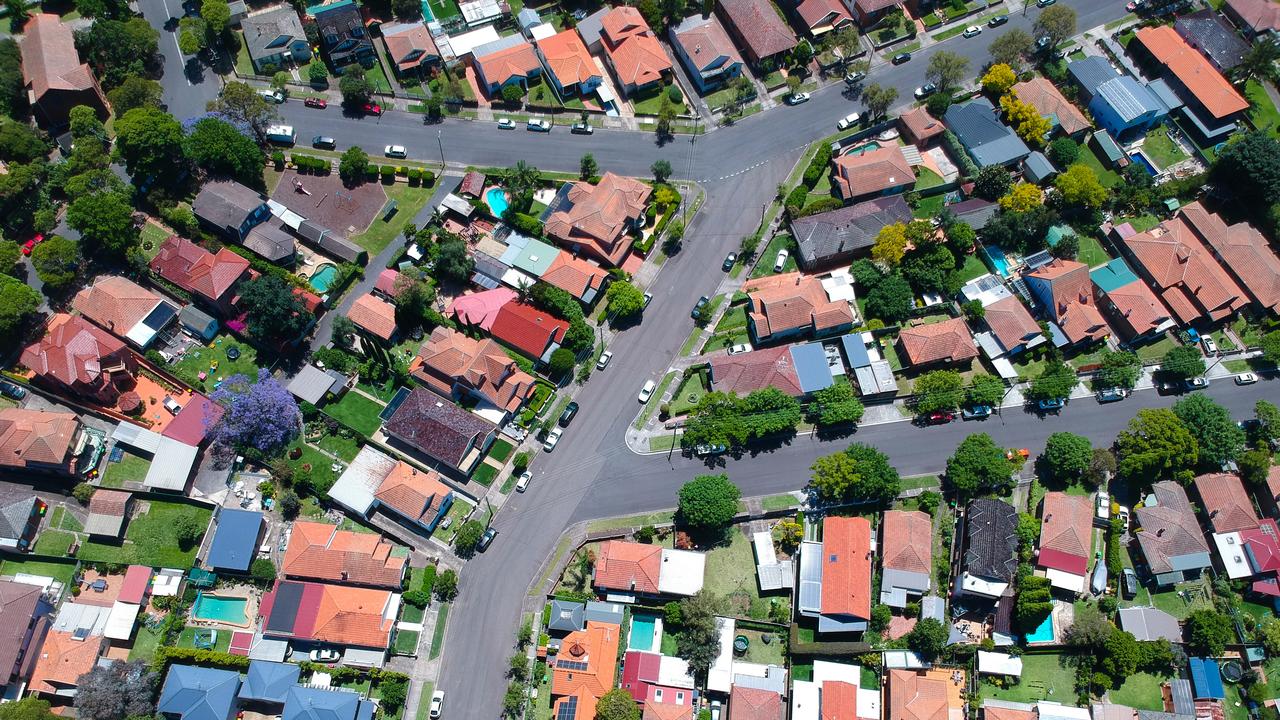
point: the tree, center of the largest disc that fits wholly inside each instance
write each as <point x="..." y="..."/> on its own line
<point x="961" y="237"/>
<point x="512" y="94"/>
<point x="1270" y="345"/>
<point x="10" y="253"/>
<point x="150" y="143"/>
<point x="12" y="95"/>
<point x="1182" y="363"/>
<point x="274" y="311"/>
<point x="1055" y="382"/>
<point x="984" y="390"/>
<point x="661" y="170"/>
<point x="1063" y="152"/>
<point x="587" y="166"/>
<point x="930" y="267"/>
<point x="1056" y="22"/>
<point x="1268" y="631"/>
<point x="17" y="303"/>
<point x="446" y="587"/>
<point x="220" y="149"/>
<point x="1025" y="119"/>
<point x="356" y="89"/>
<point x="193" y="35"/>
<point x="836" y="405"/>
<point x="561" y="362"/>
<point x="1033" y="603"/>
<point x="1219" y="438"/>
<point x="20" y="143"/>
<point x="1268" y="417"/>
<point x="1066" y="456"/>
<point x="625" y="299"/>
<point x="290" y="504"/>
<point x="1079" y="187"/>
<point x="938" y="390"/>
<point x="468" y="536"/>
<point x="119" y="49"/>
<point x="890" y="245"/>
<point x="1259" y="62"/>
<point x="879" y="98"/>
<point x="1022" y="198"/>
<point x="1250" y="165"/>
<point x="1090" y="630"/>
<point x="698" y="641"/>
<point x="1011" y="49"/>
<point x="105" y="222"/>
<point x="116" y="691"/>
<point x="992" y="183"/>
<point x="979" y="466"/>
<point x="1254" y="465"/>
<point x="946" y="69"/>
<point x="28" y="708"/>
<point x="998" y="79"/>
<point x="708" y="502"/>
<point x="263" y="570"/>
<point x="860" y="473"/>
<point x="354" y="166"/>
<point x="1155" y="444"/>
<point x="725" y="419"/>
<point x="1028" y="533"/>
<point x="242" y="105"/>
<point x="57" y="261"/>
<point x="135" y="92"/>
<point x="617" y="704"/>
<point x="1208" y="632"/>
<point x="891" y="300"/>
<point x="259" y="414"/>
<point x="928" y="637"/>
<point x="1120" y="369"/>
<point x="454" y="261"/>
<point x="1102" y="466"/>
<point x="217" y="13"/>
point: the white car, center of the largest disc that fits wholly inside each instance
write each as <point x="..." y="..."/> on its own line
<point x="523" y="482"/>
<point x="972" y="31"/>
<point x="1103" y="506"/>
<point x="1123" y="513"/>
<point x="326" y="655"/>
<point x="1246" y="379"/>
<point x="437" y="704"/>
<point x="603" y="362"/>
<point x="272" y="96"/>
<point x="848" y="121"/>
<point x="738" y="349"/>
<point x="797" y="98"/>
<point x="395" y="151"/>
<point x="1210" y="347"/>
<point x="539" y="126"/>
<point x="781" y="261"/>
<point x="646" y="392"/>
<point x="553" y="437"/>
<point x="506" y="124"/>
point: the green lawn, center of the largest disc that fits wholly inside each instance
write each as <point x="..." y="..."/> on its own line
<point x="618" y="523"/>
<point x="1044" y="677"/>
<point x="1091" y="252"/>
<point x="1174" y="604"/>
<point x="151" y="538"/>
<point x="345" y="448"/>
<point x="779" y="502"/>
<point x="62" y="519"/>
<point x="409" y="200"/>
<point x="731" y="573"/>
<point x="485" y="474"/>
<point x="437" y="636"/>
<point x="131" y="468"/>
<point x="377" y="78"/>
<point x="457" y="511"/>
<point x="356" y="412"/>
<point x="145" y="644"/>
<point x="764" y="266"/>
<point x="1161" y="149"/>
<point x="1263" y="112"/>
<point x="201" y="359"/>
<point x="406" y="642"/>
<point x="500" y="450"/>
<point x="244" y="63"/>
<point x="973" y="268"/>
<point x="688" y="395"/>
<point x="410" y="613"/>
<point x="1141" y="223"/>
<point x="765" y="653"/>
<point x="928" y="207"/>
<point x="57" y="571"/>
<point x="1156" y="350"/>
<point x="1141" y="691"/>
<point x="322" y="474"/>
<point x="1106" y="176"/>
<point x="188" y="638"/>
<point x="649" y="101"/>
<point x="54" y="542"/>
<point x="152" y="237"/>
<point x="445" y="8"/>
<point x="926" y="178"/>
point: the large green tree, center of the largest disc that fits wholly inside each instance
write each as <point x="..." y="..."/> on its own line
<point x="979" y="466"/>
<point x="135" y="92"/>
<point x="220" y="149"/>
<point x="1120" y="369"/>
<point x="835" y="405"/>
<point x="928" y="638"/>
<point x="1056" y="381"/>
<point x="1011" y="48"/>
<point x="938" y="390"/>
<point x="1057" y="22"/>
<point x="617" y="704"/>
<point x="984" y="390"/>
<point x="57" y="262"/>
<point x="119" y="49"/>
<point x="275" y="313"/>
<point x="1217" y="434"/>
<point x="859" y="474"/>
<point x="1182" y="362"/>
<point x="20" y="143"/>
<point x="947" y="69"/>
<point x="1250" y="166"/>
<point x="708" y="502"/>
<point x="17" y="303"/>
<point x="105" y="223"/>
<point x="150" y="143"/>
<point x="1155" y="444"/>
<point x="890" y="300"/>
<point x="625" y="299"/>
<point x="1208" y="632"/>
<point x="698" y="642"/>
<point x="1066" y="456"/>
<point x="242" y="104"/>
<point x="725" y="419"/>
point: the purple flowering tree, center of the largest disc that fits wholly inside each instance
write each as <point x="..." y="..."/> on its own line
<point x="258" y="414"/>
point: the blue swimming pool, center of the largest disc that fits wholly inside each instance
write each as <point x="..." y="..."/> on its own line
<point x="496" y="199"/>
<point x="1044" y="633"/>
<point x="996" y="259"/>
<point x="868" y="147"/>
<point x="1142" y="160"/>
<point x="322" y="279"/>
<point x="642" y="632"/>
<point x="225" y="609"/>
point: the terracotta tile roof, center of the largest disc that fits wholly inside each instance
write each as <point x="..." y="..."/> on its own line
<point x="596" y="216"/>
<point x="839" y="699"/>
<point x="318" y="551"/>
<point x="756" y="370"/>
<point x="1273" y="482"/>
<point x="786" y="302"/>
<point x="353" y="616"/>
<point x="111" y="503"/>
<point x="1010" y="322"/>
<point x="596" y="647"/>
<point x="623" y="22"/>
<point x="1168" y="529"/>
<point x="1045" y="97"/>
<point x="574" y="275"/>
<point x="437" y="427"/>
<point x="628" y="566"/>
<point x="1191" y="68"/>
<point x="386" y="282"/>
<point x="762" y="31"/>
<point x="823" y="14"/>
<point x="748" y="703"/>
<point x="518" y="61"/>
<point x="409" y="45"/>
<point x="1225" y="501"/>
<point x="916" y="696"/>
<point x="637" y="56"/>
<point x="193" y="268"/>
<point x="567" y="58"/>
<point x="906" y="541"/>
<point x="1259" y="15"/>
<point x="947" y="341"/>
<point x="481" y="308"/>
<point x="1186" y="276"/>
<point x="921" y="125"/>
<point x="115" y="303"/>
<point x="75" y="353"/>
<point x="450" y="358"/>
<point x="991" y="712"/>
<point x="872" y="172"/>
<point x="1073" y="306"/>
<point x="654" y="710"/>
<point x="1066" y="524"/>
<point x="374" y="315"/>
<point x="707" y="42"/>
<point x="49" y="57"/>
<point x="415" y="494"/>
<point x="63" y="659"/>
<point x="36" y="437"/>
<point x="1137" y="309"/>
<point x="869" y="7"/>
<point x="527" y="329"/>
<point x="1244" y="252"/>
<point x="472" y="183"/>
<point x="846" y="566"/>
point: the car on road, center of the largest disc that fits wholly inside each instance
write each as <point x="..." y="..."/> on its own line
<point x="697" y="308"/>
<point x="1048" y="405"/>
<point x="325" y="655"/>
<point x="1246" y="379"/>
<point x="506" y="124"/>
<point x="1210" y="347"/>
<point x="437" y="704"/>
<point x="648" y="298"/>
<point x="272" y="96"/>
<point x="372" y="109"/>
<point x="1102" y="506"/>
<point x="567" y="416"/>
<point x="486" y="539"/>
<point x="581" y="128"/>
<point x="739" y="349"/>
<point x="997" y="21"/>
<point x="646" y="391"/>
<point x="324" y="142"/>
<point x="780" y="262"/>
<point x="1129" y="584"/>
<point x="8" y="389"/>
<point x="976" y="412"/>
<point x="395" y="151"/>
<point x="31" y="243"/>
<point x="1045" y="3"/>
<point x="1196" y="383"/>
<point x="926" y="90"/>
<point x="848" y="121"/>
<point x="937" y="417"/>
<point x="706" y="450"/>
<point x="523" y="483"/>
<point x="1109" y="395"/>
<point x="553" y="437"/>
<point x="901" y="58"/>
<point x="729" y="260"/>
<point x="603" y="362"/>
<point x="316" y="102"/>
<point x="854" y="78"/>
<point x="797" y="98"/>
<point x="539" y="126"/>
<point x="972" y="31"/>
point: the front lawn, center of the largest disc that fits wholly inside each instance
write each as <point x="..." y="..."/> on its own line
<point x="212" y="360"/>
<point x="410" y="613"/>
<point x="1091" y="252"/>
<point x="1156" y="350"/>
<point x="500" y="450"/>
<point x="1044" y="677"/>
<point x="409" y="202"/>
<point x="764" y="265"/>
<point x="437" y="635"/>
<point x="151" y="538"/>
<point x="485" y="474"/>
<point x="406" y="642"/>
<point x="689" y="394"/>
<point x="731" y="574"/>
<point x="1262" y="111"/>
<point x="649" y="102"/>
<point x="357" y="412"/>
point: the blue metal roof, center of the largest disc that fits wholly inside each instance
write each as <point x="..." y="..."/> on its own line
<point x="269" y="681"/>
<point x="1038" y="167"/>
<point x="855" y="351"/>
<point x="1129" y="98"/>
<point x="235" y="539"/>
<point x="1091" y="72"/>
<point x="811" y="366"/>
<point x="196" y="693"/>
<point x="1115" y="274"/>
<point x="304" y="703"/>
<point x="1206" y="679"/>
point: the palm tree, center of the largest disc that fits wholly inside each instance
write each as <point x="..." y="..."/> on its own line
<point x="1259" y="62"/>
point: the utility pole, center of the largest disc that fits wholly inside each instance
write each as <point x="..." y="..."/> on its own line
<point x="440" y="142"/>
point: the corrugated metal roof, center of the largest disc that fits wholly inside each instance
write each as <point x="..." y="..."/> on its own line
<point x="810" y="362"/>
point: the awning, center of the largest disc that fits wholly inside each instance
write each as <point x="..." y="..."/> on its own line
<point x="121" y="620"/>
<point x="1065" y="580"/>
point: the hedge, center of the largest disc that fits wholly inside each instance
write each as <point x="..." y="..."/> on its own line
<point x="525" y="224"/>
<point x="967" y="167"/>
<point x="267" y="268"/>
<point x="820" y="205"/>
<point x="817" y="165"/>
<point x="166" y="654"/>
<point x="797" y="198"/>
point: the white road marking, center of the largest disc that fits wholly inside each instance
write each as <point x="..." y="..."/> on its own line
<point x="181" y="59"/>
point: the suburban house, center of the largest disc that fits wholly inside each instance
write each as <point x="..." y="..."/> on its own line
<point x="1123" y="106"/>
<point x="577" y="276"/>
<point x="81" y="359"/>
<point x="933" y="694"/>
<point x="375" y="481"/>
<point x="835" y="576"/>
<point x="1065" y="293"/>
<point x="125" y="308"/>
<point x="1247" y="545"/>
<point x="942" y="343"/>
<point x="570" y="67"/>
<point x="1041" y="94"/>
<point x="1066" y="528"/>
<point x="1150" y="623"/>
<point x="792" y="304"/>
<point x="235" y="534"/>
<point x="660" y="683"/>
<point x="1010" y="324"/>
<point x="410" y="48"/>
<point x="597" y="219"/>
<point x="108" y="510"/>
<point x="632" y="51"/>
<point x="457" y="366"/>
<point x="989" y="550"/>
<point x="479" y="309"/>
<point x="753" y="703"/>
<point x="63" y="658"/>
<point x="906" y="556"/>
<point x="1170" y="536"/>
<point x="443" y="431"/>
<point x="198" y="693"/>
<point x="40" y="441"/>
<point x="274" y="38"/>
<point x="823" y="16"/>
<point x="1206" y="31"/>
<point x="757" y="28"/>
<point x="835" y="237"/>
<point x="342" y="33"/>
<point x="1255" y="18"/>
<point x="1128" y="303"/>
<point x="375" y="317"/>
<point x="884" y="171"/>
<point x="919" y="127"/>
<point x="509" y="61"/>
<point x="348" y="617"/>
<point x="209" y="277"/>
<point x="988" y="141"/>
<point x="24" y="613"/>
<point x="241" y="214"/>
<point x="319" y="551"/>
<point x="974" y="212"/>
<point x="20" y="517"/>
<point x="583" y="670"/>
<point x="1211" y="104"/>
<point x="709" y="56"/>
<point x="630" y="568"/>
<point x="870" y="12"/>
<point x="1243" y="251"/>
<point x="743" y="373"/>
<point x="1172" y="257"/>
<point x="55" y="79"/>
<point x="532" y="332"/>
<point x="833" y="691"/>
<point x="266" y="686"/>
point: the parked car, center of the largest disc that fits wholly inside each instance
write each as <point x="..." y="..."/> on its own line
<point x="553" y="437"/>
<point x="1045" y="3"/>
<point x="486" y="539"/>
<point x="506" y="124"/>
<point x="324" y="142"/>
<point x="925" y="91"/>
<point x="316" y="102"/>
<point x="523" y="483"/>
<point x="1051" y="405"/>
<point x="854" y="78"/>
<point x="997" y="21"/>
<point x="697" y="308"/>
<point x="603" y="362"/>
<point x="395" y="151"/>
<point x="797" y="98"/>
<point x="1111" y="395"/>
<point x="937" y="417"/>
<point x="729" y="260"/>
<point x="848" y="121"/>
<point x="8" y="389"/>
<point x="272" y="96"/>
<point x="31" y="243"/>
<point x="1102" y="506"/>
<point x="372" y="109"/>
<point x="646" y="391"/>
<point x="437" y="704"/>
<point x="648" y="298"/>
<point x="325" y="655"/>
<point x="977" y="412"/>
<point x="1196" y="383"/>
<point x="901" y="58"/>
<point x="972" y="31"/>
<point x="1210" y="347"/>
<point x="706" y="450"/>
<point x="539" y="126"/>
<point x="171" y="405"/>
<point x="570" y="411"/>
<point x="1246" y="379"/>
<point x="739" y="349"/>
<point x="780" y="261"/>
<point x="1122" y="513"/>
<point x="581" y="128"/>
<point x="1129" y="583"/>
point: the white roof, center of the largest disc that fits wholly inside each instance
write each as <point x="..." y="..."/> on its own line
<point x="136" y="437"/>
<point x="1231" y="552"/>
<point x="605" y="93"/>
<point x="682" y="572"/>
<point x="805" y="700"/>
<point x="363" y="657"/>
<point x="720" y="676"/>
<point x="271" y="650"/>
<point x="285" y="215"/>
<point x="355" y="487"/>
<point x="121" y="620"/>
<point x="806" y="694"/>
<point x="985" y="289"/>
<point x="839" y="286"/>
<point x="542" y="31"/>
<point x="464" y="43"/>
<point x="674" y="672"/>
<point x="516" y="278"/>
<point x="1004" y="368"/>
<point x="142" y="334"/>
<point x="979" y="586"/>
<point x="1065" y="580"/>
<point x="1057" y="711"/>
<point x="992" y="663"/>
<point x="171" y="465"/>
<point x="43" y="582"/>
<point x="165" y="583"/>
<point x="78" y="616"/>
<point x="903" y="659"/>
<point x="479" y="11"/>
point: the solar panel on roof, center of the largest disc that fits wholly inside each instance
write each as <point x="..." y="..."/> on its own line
<point x="80" y="634"/>
<point x="285" y="610"/>
<point x="568" y="708"/>
<point x="571" y="665"/>
<point x="160" y="316"/>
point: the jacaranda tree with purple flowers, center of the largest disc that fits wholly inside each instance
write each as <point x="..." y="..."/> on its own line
<point x="260" y="414"/>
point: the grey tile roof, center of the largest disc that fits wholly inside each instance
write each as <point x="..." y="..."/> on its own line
<point x="992" y="539"/>
<point x="270" y="32"/>
<point x="436" y="426"/>
<point x="226" y="203"/>
<point x="566" y="616"/>
<point x="14" y="516"/>
<point x="829" y="235"/>
<point x="978" y="127"/>
<point x="1206" y="31"/>
<point x="271" y="242"/>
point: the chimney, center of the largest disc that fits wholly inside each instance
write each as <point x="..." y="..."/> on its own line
<point x="1160" y="532"/>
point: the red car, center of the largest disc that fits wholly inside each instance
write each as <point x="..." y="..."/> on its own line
<point x="937" y="417"/>
<point x="29" y="245"/>
<point x="316" y="103"/>
<point x="372" y="109"/>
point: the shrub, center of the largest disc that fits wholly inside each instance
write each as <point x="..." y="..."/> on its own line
<point x="820" y="205"/>
<point x="797" y="198"/>
<point x="277" y="159"/>
<point x="417" y="598"/>
<point x="83" y="492"/>
<point x="388" y="174"/>
<point x="674" y="94"/>
<point x="525" y="224"/>
<point x="428" y="178"/>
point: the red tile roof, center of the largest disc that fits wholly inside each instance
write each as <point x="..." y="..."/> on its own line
<point x="667" y="710"/>
<point x="1186" y="276"/>
<point x="519" y="61"/>
<point x="1193" y="70"/>
<point x="472" y="183"/>
<point x="1045" y="97"/>
<point x="1168" y="529"/>
<point x="1010" y="322"/>
<point x="449" y="358"/>
<point x="597" y="216"/>
<point x="1244" y="252"/>
<point x="628" y="566"/>
<point x="920" y="125"/>
<point x="405" y="38"/>
<point x="1225" y="502"/>
<point x="846" y="566"/>
<point x="637" y="56"/>
<point x="756" y="370"/>
<point x="596" y="648"/>
<point x="415" y="494"/>
<point x="872" y="172"/>
<point x="948" y="341"/>
<point x="567" y="58"/>
<point x="1065" y="528"/>
<point x="115" y="303"/>
<point x="823" y="15"/>
<point x="574" y="275"/>
<point x="36" y="437"/>
<point x="907" y="541"/>
<point x="336" y="614"/>
<point x="195" y="269"/>
<point x="1073" y="305"/>
<point x="78" y="355"/>
<point x="481" y="308"/>
<point x="1137" y="309"/>
<point x="869" y="7"/>
<point x="839" y="699"/>
<point x="747" y="703"/>
<point x="757" y="22"/>
<point x="790" y="301"/>
<point x="374" y="315"/>
<point x="111" y="503"/>
<point x="527" y="329"/>
<point x="386" y="282"/>
<point x="1259" y="15"/>
<point x="63" y="659"/>
<point x="318" y="551"/>
<point x="916" y="696"/>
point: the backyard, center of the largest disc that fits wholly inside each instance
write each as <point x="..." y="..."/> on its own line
<point x="1091" y="252"/>
<point x="358" y="412"/>
<point x="151" y="538"/>
<point x="1140" y="690"/>
<point x="212" y="360"/>
<point x="1184" y="599"/>
<point x="57" y="571"/>
<point x="1161" y="149"/>
<point x="129" y="468"/>
<point x="188" y="639"/>
<point x="1044" y="677"/>
<point x="731" y="574"/>
<point x="1106" y="176"/>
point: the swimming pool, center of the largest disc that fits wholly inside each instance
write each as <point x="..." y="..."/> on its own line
<point x="322" y="279"/>
<point x="1044" y="633"/>
<point x="1142" y="160"/>
<point x="496" y="199"/>
<point x="996" y="259"/>
<point x="643" y="628"/>
<point x="863" y="149"/>
<point x="224" y="609"/>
